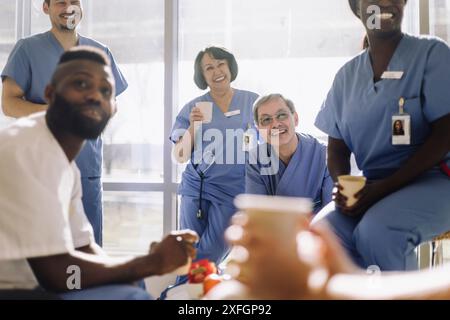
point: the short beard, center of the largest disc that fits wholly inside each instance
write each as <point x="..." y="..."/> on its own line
<point x="65" y="116"/>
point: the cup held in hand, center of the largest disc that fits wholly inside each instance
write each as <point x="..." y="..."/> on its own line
<point x="206" y="108"/>
<point x="351" y="185"/>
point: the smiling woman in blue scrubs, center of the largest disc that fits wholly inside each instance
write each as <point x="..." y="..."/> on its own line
<point x="407" y="198"/>
<point x="216" y="169"/>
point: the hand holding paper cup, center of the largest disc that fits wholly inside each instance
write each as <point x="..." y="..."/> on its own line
<point x="269" y="234"/>
<point x="351" y="186"/>
<point x="206" y="108"/>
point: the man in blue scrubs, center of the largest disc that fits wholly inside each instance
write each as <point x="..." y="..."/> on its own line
<point x="289" y="164"/>
<point x="406" y="200"/>
<point x="27" y="73"/>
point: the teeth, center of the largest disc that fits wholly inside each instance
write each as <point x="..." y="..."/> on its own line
<point x="385" y="16"/>
<point x="219" y="79"/>
<point x="277" y="132"/>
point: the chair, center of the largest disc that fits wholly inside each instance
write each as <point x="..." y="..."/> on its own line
<point x="431" y="254"/>
<point x="437" y="253"/>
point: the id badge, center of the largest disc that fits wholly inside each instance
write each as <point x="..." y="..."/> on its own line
<point x="247" y="141"/>
<point x="401" y="129"/>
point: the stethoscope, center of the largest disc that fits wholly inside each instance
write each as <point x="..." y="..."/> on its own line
<point x="201" y="174"/>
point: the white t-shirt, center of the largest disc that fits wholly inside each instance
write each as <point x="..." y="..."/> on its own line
<point x="41" y="213"/>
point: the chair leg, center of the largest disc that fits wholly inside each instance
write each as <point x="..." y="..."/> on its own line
<point x="438" y="252"/>
<point x="424" y="255"/>
<point x="433" y="253"/>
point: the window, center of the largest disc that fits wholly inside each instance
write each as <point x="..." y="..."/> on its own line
<point x="294" y="47"/>
<point x="7" y="40"/>
<point x="439" y="19"/>
<point x="132" y="221"/>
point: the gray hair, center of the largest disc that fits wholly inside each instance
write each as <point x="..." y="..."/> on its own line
<point x="273" y="96"/>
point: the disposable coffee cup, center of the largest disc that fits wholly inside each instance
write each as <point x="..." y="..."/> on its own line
<point x="206" y="108"/>
<point x="351" y="186"/>
<point x="271" y="229"/>
<point x="275" y="217"/>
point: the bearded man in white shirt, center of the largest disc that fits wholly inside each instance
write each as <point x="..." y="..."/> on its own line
<point x="44" y="234"/>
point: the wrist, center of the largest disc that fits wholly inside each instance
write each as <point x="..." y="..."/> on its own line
<point x="152" y="265"/>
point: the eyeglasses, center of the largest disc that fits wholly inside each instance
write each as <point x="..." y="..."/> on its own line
<point x="267" y="120"/>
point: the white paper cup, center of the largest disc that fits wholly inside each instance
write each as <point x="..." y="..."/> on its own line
<point x="206" y="108"/>
<point x="270" y="235"/>
<point x="351" y="185"/>
<point x="273" y="216"/>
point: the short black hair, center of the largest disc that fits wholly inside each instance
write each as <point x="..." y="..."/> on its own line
<point x="80" y="53"/>
<point x="85" y="53"/>
<point x="217" y="53"/>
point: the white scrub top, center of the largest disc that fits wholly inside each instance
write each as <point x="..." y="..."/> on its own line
<point x="359" y="111"/>
<point x="41" y="213"/>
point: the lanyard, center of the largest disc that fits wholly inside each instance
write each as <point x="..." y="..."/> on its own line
<point x="201" y="174"/>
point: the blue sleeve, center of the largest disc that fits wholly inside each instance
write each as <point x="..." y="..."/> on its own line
<point x="327" y="188"/>
<point x="326" y="119"/>
<point x="181" y="123"/>
<point x="435" y="90"/>
<point x="254" y="181"/>
<point x="121" y="82"/>
<point x="18" y="67"/>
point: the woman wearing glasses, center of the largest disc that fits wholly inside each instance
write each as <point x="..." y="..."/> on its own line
<point x="289" y="164"/>
<point x="214" y="174"/>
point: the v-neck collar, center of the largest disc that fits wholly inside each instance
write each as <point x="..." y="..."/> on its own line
<point x="393" y="63"/>
<point x="55" y="42"/>
<point x="230" y="107"/>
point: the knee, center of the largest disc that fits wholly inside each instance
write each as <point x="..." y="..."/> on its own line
<point x="372" y="235"/>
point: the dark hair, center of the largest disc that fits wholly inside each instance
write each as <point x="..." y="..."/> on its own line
<point x="216" y="53"/>
<point x="353" y="6"/>
<point x="47" y="2"/>
<point x="85" y="53"/>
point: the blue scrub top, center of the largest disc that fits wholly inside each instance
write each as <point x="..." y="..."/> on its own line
<point x="32" y="63"/>
<point x="224" y="178"/>
<point x="306" y="174"/>
<point x="359" y="111"/>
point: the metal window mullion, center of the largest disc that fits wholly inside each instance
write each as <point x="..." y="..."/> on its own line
<point x="133" y="187"/>
<point x="424" y="16"/>
<point x="23" y="19"/>
<point x="170" y="100"/>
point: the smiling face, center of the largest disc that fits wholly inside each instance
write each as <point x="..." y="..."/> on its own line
<point x="390" y="16"/>
<point x="64" y="15"/>
<point x="277" y="123"/>
<point x="82" y="98"/>
<point x="216" y="72"/>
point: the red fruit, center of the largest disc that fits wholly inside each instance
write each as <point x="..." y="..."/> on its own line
<point x="200" y="269"/>
<point x="211" y="281"/>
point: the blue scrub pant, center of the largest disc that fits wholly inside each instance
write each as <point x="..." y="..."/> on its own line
<point x="211" y="228"/>
<point x="390" y="230"/>
<point x="109" y="292"/>
<point x="92" y="203"/>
